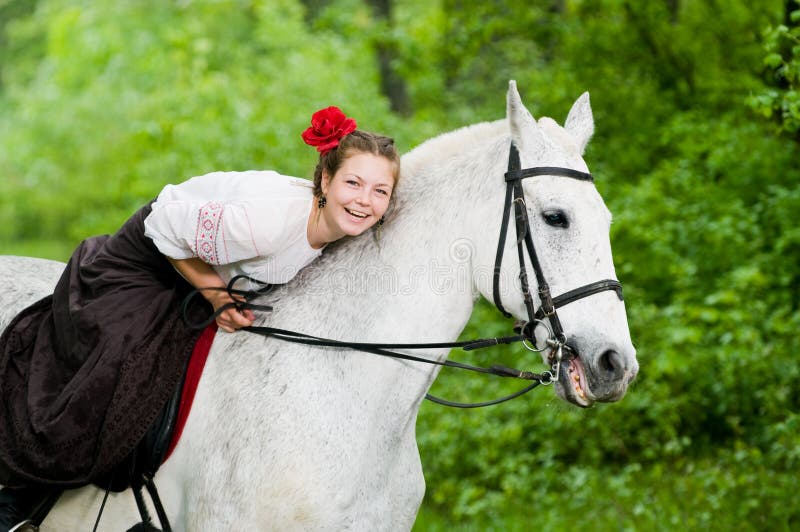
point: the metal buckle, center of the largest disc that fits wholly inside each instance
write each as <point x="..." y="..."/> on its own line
<point x="527" y="343"/>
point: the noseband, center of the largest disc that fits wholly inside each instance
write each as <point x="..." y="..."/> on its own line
<point x="557" y="340"/>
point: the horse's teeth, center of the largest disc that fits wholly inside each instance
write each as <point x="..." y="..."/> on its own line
<point x="576" y="378"/>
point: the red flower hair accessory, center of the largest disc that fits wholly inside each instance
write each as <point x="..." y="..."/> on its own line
<point x="328" y="126"/>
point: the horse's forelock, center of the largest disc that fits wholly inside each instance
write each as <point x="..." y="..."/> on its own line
<point x="558" y="136"/>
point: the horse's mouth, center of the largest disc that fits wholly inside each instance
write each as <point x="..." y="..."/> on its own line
<point x="573" y="384"/>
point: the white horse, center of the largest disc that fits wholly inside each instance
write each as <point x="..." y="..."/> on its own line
<point x="289" y="437"/>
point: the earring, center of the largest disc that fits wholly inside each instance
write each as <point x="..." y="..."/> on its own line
<point x="380" y="222"/>
<point x="322" y="201"/>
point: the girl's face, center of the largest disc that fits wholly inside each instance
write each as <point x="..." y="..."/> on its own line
<point x="358" y="194"/>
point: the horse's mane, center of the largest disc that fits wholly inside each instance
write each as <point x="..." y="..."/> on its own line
<point x="469" y="139"/>
<point x="435" y="151"/>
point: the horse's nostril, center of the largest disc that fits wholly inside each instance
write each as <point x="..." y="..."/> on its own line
<point x="611" y="363"/>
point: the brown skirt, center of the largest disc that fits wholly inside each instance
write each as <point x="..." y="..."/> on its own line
<point x="85" y="371"/>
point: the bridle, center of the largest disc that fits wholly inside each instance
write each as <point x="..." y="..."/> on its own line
<point x="557" y="340"/>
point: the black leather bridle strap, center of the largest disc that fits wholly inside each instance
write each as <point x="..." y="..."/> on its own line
<point x="454" y="404"/>
<point x="584" y="291"/>
<point x="496" y="369"/>
<point x="517" y="174"/>
<point x="241" y="299"/>
<point x="245" y="303"/>
<point x="547" y="307"/>
<point x="514" y="190"/>
<point x="498" y="260"/>
<point x="549" y="304"/>
<point x="378" y="349"/>
<point x="466" y="345"/>
<point x="284" y="334"/>
<point x="523" y="235"/>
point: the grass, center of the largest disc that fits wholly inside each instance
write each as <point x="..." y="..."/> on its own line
<point x="734" y="492"/>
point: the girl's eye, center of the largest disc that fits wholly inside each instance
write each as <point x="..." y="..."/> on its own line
<point x="382" y="191"/>
<point x="352" y="182"/>
<point x="556" y="218"/>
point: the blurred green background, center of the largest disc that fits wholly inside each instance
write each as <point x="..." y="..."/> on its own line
<point x="698" y="133"/>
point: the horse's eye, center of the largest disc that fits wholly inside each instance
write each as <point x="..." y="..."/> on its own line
<point x="555" y="218"/>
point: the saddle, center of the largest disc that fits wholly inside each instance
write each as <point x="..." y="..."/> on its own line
<point x="139" y="468"/>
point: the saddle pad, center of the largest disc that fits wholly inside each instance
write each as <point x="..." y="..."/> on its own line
<point x="193" y="372"/>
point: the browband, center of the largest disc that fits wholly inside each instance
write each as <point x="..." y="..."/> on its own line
<point x="514" y="175"/>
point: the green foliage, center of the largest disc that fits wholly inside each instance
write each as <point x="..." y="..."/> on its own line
<point x="129" y="96"/>
<point x="102" y="103"/>
<point x="781" y="101"/>
<point x="704" y="202"/>
<point x="737" y="490"/>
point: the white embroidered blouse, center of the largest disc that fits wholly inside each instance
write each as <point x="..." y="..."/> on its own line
<point x="251" y="223"/>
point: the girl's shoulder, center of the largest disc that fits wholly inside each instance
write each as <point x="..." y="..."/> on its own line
<point x="246" y="185"/>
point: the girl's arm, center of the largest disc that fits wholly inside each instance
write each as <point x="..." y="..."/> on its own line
<point x="202" y="275"/>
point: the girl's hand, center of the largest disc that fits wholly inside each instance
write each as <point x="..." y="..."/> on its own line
<point x="230" y="319"/>
<point x="200" y="274"/>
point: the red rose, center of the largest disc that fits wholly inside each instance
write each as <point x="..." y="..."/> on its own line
<point x="328" y="126"/>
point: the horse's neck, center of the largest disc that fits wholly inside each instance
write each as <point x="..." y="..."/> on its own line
<point x="448" y="193"/>
<point x="415" y="283"/>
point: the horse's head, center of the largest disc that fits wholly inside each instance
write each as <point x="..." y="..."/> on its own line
<point x="570" y="232"/>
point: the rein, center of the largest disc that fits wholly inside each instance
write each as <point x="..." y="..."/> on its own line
<point x="556" y="342"/>
<point x="380" y="349"/>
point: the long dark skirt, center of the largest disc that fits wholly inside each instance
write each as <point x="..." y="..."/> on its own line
<point x="85" y="371"/>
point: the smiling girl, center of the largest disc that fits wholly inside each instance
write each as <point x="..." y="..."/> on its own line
<point x="85" y="371"/>
<point x="268" y="226"/>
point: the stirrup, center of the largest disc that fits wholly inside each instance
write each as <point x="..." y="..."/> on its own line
<point x="25" y="526"/>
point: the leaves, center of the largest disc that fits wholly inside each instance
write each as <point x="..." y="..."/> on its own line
<point x="782" y="62"/>
<point x="696" y="151"/>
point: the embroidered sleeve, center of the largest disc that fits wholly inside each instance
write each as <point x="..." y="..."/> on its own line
<point x="216" y="232"/>
<point x="228" y="217"/>
<point x="207" y="236"/>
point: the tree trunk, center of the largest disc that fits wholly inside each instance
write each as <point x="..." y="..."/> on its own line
<point x="392" y="85"/>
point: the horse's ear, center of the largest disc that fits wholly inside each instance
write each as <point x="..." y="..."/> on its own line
<point x="524" y="128"/>
<point x="580" y="121"/>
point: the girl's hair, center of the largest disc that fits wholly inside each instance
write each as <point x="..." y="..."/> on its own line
<point x="356" y="142"/>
